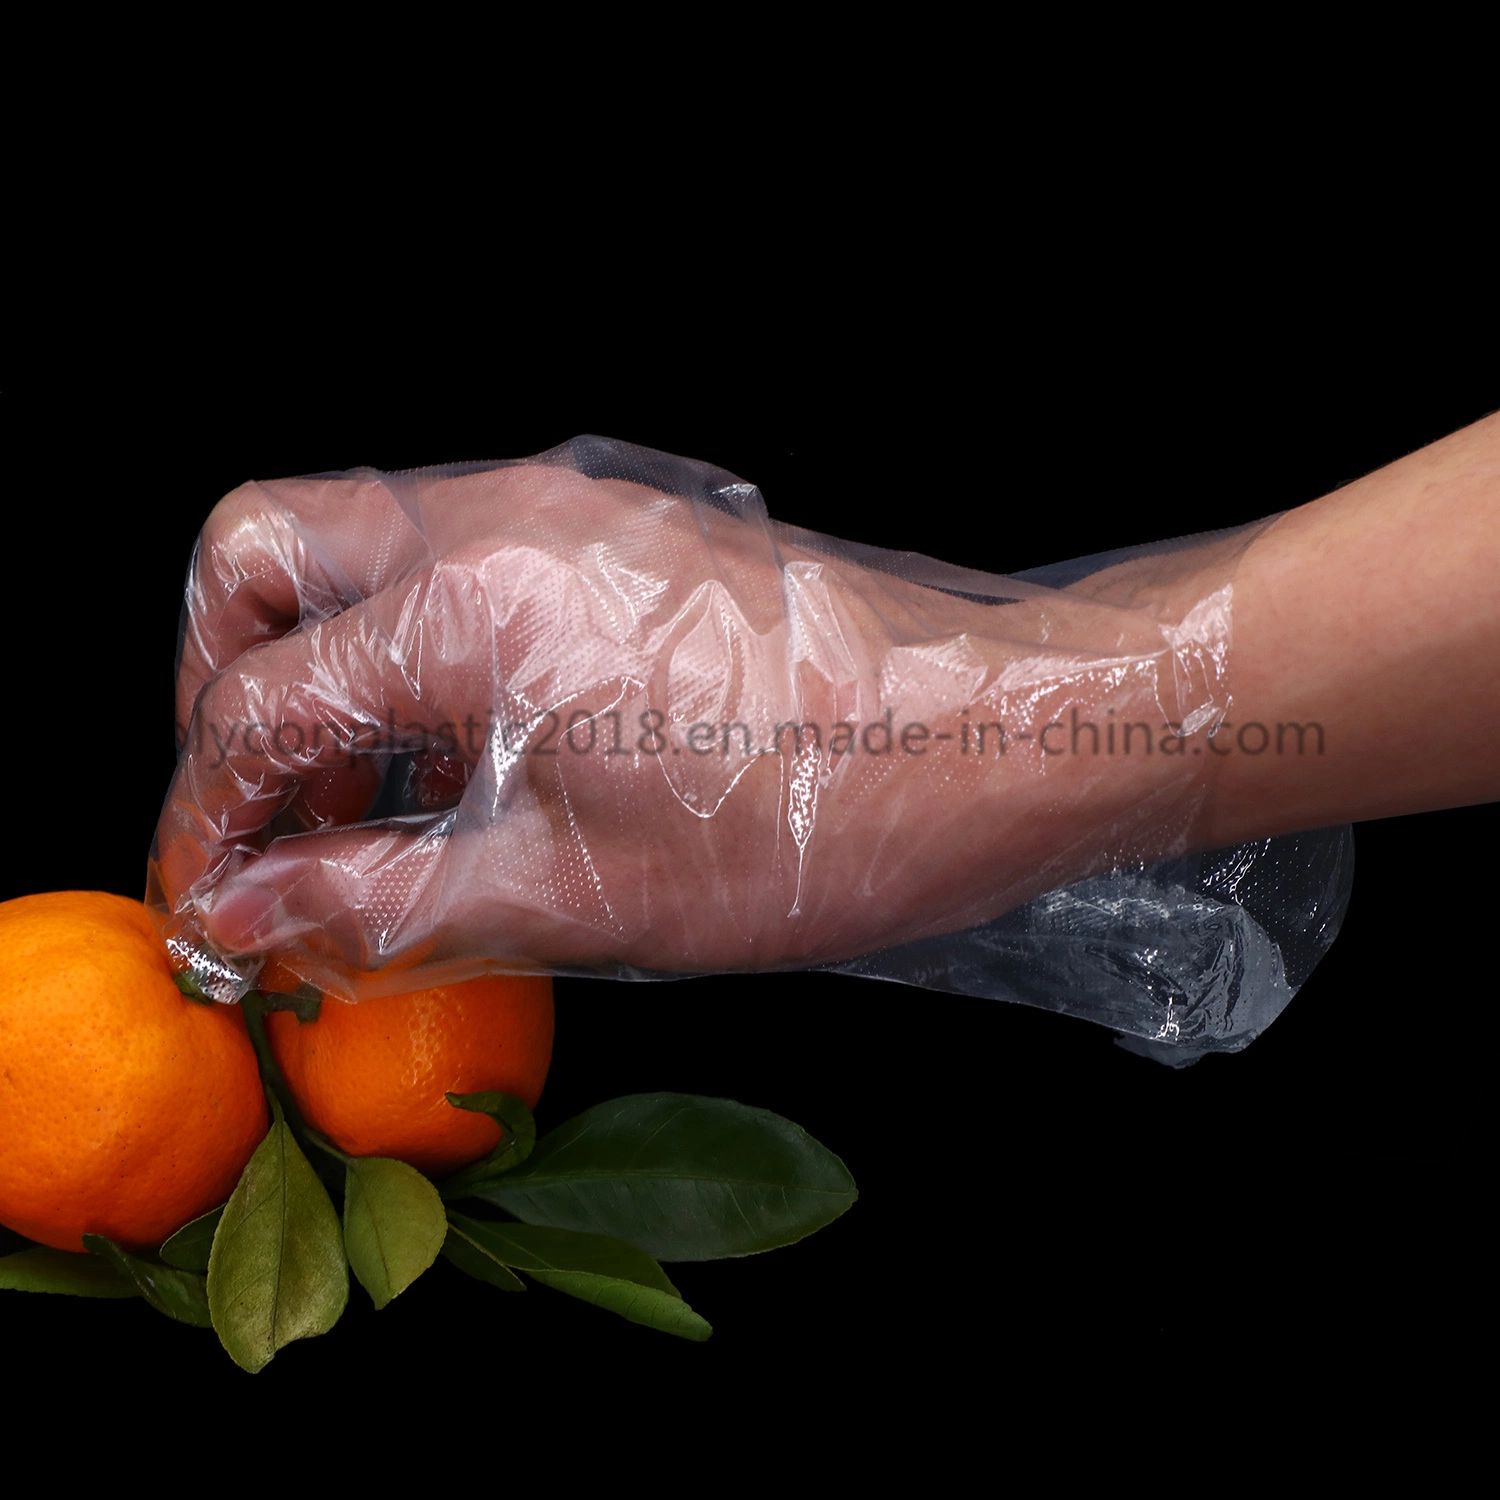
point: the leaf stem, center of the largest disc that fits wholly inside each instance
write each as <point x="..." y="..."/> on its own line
<point x="324" y="1144"/>
<point x="255" y="1007"/>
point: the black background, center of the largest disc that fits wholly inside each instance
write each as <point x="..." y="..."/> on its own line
<point x="1036" y="1204"/>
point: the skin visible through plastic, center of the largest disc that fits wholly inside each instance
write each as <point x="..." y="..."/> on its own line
<point x="681" y="737"/>
<point x="641" y="729"/>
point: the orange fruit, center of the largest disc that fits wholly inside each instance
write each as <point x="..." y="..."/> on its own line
<point x="371" y="1075"/>
<point x="126" y="1109"/>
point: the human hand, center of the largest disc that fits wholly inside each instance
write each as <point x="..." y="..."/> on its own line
<point x="644" y="728"/>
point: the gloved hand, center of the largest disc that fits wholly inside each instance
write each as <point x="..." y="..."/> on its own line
<point x="614" y="719"/>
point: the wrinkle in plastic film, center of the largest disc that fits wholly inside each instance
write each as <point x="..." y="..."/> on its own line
<point x="596" y="712"/>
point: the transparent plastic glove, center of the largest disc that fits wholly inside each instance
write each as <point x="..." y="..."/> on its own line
<point x="595" y="712"/>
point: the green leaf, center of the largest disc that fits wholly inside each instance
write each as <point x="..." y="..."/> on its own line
<point x="394" y="1225"/>
<point x="518" y="1137"/>
<point x="188" y="1248"/>
<point x="606" y="1272"/>
<point x="469" y="1258"/>
<point x="533" y="1247"/>
<point x="191" y="988"/>
<point x="277" y="1272"/>
<point x="637" y="1304"/>
<point x="178" y="1294"/>
<point x="306" y="1004"/>
<point x="681" y="1177"/>
<point x="44" y="1270"/>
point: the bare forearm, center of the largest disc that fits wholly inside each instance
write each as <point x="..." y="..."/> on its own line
<point x="1373" y="614"/>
